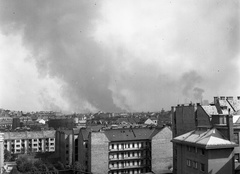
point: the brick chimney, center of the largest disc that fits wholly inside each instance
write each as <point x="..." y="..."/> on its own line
<point x="222" y="98"/>
<point x="230" y="125"/>
<point x="215" y="99"/>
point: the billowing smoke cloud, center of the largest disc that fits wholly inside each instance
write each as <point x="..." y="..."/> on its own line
<point x="130" y="55"/>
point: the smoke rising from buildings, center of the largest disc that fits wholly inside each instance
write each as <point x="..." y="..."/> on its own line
<point x="127" y="55"/>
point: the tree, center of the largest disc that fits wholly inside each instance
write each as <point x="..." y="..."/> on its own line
<point x="79" y="167"/>
<point x="41" y="166"/>
<point x="59" y="166"/>
<point x="25" y="163"/>
<point x="7" y="155"/>
<point x="14" y="171"/>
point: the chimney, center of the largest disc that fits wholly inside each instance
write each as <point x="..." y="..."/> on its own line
<point x="230" y="98"/>
<point x="230" y="125"/>
<point x="215" y="99"/>
<point x="222" y="98"/>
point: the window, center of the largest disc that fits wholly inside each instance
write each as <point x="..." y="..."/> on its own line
<point x="189" y="149"/>
<point x="202" y="167"/>
<point x="195" y="165"/>
<point x="236" y="157"/>
<point x="196" y="150"/>
<point x="202" y="152"/>
<point x="17" y="141"/>
<point x="236" y="138"/>
<point x="188" y="163"/>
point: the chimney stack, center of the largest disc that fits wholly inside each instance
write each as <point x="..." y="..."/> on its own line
<point x="215" y="99"/>
<point x="230" y="98"/>
<point x="222" y="98"/>
<point x="230" y="125"/>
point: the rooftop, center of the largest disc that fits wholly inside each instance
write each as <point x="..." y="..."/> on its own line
<point x="29" y="135"/>
<point x="205" y="138"/>
<point x="127" y="134"/>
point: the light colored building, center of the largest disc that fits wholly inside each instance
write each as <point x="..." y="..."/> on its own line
<point x="1" y="152"/>
<point x="151" y="121"/>
<point x="35" y="141"/>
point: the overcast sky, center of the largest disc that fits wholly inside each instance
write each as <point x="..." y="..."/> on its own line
<point x="117" y="55"/>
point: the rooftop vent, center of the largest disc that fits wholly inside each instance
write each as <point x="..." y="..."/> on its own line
<point x="222" y="98"/>
<point x="230" y="98"/>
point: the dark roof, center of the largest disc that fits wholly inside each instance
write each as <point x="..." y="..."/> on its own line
<point x="128" y="120"/>
<point x="95" y="128"/>
<point x="127" y="134"/>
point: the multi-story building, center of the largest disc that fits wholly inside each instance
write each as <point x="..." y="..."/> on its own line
<point x="223" y="115"/>
<point x="1" y="152"/>
<point x="61" y="123"/>
<point x="6" y="122"/>
<point x="34" y="141"/>
<point x="67" y="146"/>
<point x="126" y="150"/>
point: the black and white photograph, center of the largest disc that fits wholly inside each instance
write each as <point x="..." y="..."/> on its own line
<point x="119" y="87"/>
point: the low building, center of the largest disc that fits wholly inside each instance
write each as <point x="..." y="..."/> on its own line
<point x="34" y="141"/>
<point x="151" y="121"/>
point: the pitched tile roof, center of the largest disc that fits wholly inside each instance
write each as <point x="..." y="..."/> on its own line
<point x="210" y="110"/>
<point x="208" y="139"/>
<point x="127" y="134"/>
<point x="235" y="104"/>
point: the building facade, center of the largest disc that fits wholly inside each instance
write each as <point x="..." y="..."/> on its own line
<point x="127" y="150"/>
<point x="34" y="141"/>
<point x="1" y="152"/>
<point x="222" y="114"/>
<point x="203" y="151"/>
<point x="67" y="146"/>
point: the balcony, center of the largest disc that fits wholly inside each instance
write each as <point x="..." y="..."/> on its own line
<point x="129" y="148"/>
<point x="120" y="167"/>
<point x="126" y="158"/>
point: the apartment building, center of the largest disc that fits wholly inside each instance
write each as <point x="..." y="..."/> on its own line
<point x="34" y="141"/>
<point x="1" y="152"/>
<point x="129" y="150"/>
<point x="203" y="151"/>
<point x="67" y="145"/>
<point x="223" y="115"/>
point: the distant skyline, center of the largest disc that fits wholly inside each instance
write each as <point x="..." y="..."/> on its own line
<point x="118" y="55"/>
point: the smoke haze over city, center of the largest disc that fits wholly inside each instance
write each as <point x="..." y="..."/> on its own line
<point x="118" y="55"/>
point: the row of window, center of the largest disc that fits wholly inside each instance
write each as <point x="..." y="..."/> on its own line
<point x="128" y="145"/>
<point x="194" y="164"/>
<point x="195" y="150"/>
